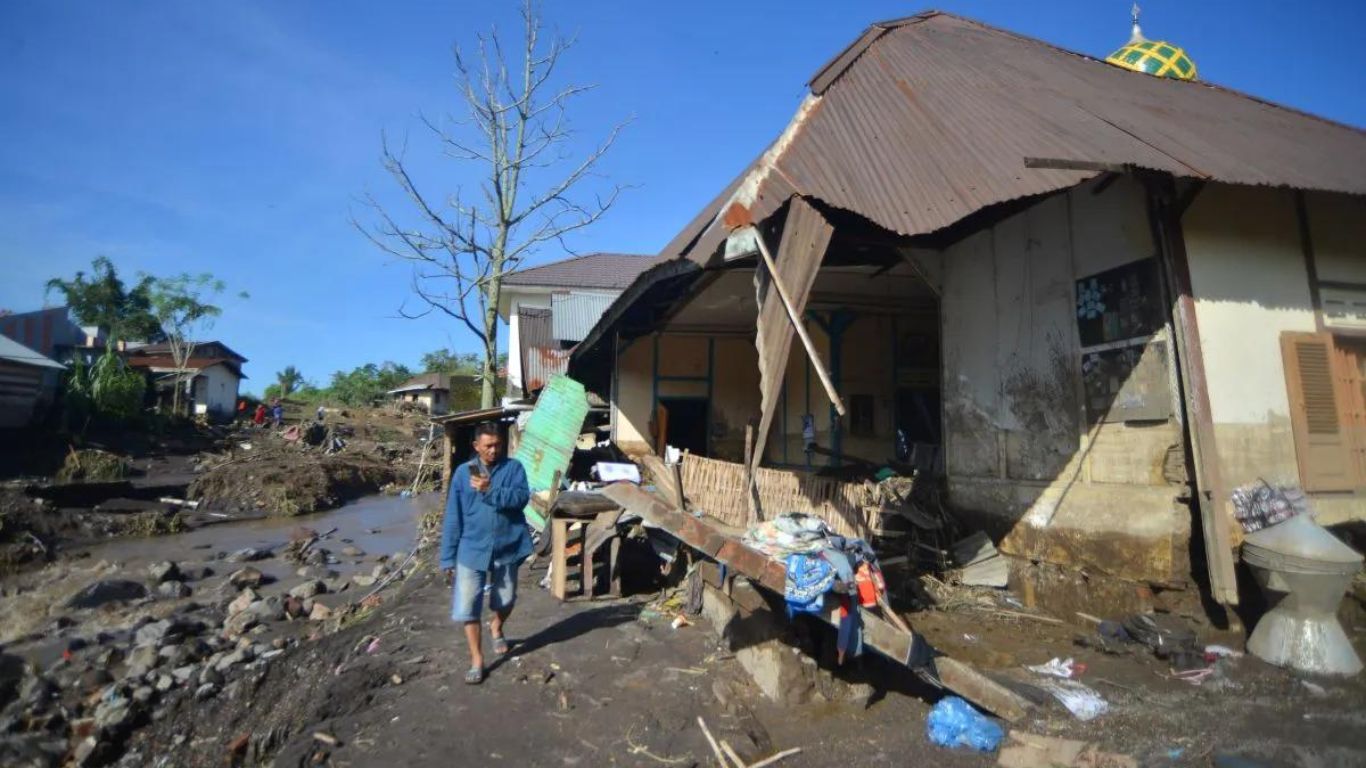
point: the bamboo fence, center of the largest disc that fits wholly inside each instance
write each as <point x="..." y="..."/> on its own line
<point x="717" y="489"/>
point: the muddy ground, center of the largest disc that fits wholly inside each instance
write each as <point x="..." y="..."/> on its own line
<point x="60" y="494"/>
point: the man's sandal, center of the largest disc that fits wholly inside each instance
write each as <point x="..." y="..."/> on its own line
<point x="500" y="646"/>
<point x="474" y="676"/>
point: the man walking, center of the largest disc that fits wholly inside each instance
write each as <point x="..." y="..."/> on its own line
<point x="483" y="541"/>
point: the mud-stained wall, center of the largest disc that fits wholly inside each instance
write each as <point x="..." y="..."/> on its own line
<point x="1337" y="224"/>
<point x="1250" y="284"/>
<point x="1012" y="397"/>
<point x="1019" y="445"/>
<point x="735" y="395"/>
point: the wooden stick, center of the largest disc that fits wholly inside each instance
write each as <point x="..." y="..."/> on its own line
<point x="798" y="325"/>
<point x="775" y="758"/>
<point x="731" y="754"/>
<point x="715" y="748"/>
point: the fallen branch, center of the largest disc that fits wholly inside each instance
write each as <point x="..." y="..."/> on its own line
<point x="715" y="748"/>
<point x="775" y="758"/>
<point x="725" y="747"/>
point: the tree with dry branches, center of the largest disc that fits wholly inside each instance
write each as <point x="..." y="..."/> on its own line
<point x="533" y="189"/>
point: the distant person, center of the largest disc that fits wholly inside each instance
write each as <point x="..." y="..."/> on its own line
<point x="241" y="409"/>
<point x="320" y="414"/>
<point x="484" y="539"/>
<point x="259" y="419"/>
<point x="277" y="414"/>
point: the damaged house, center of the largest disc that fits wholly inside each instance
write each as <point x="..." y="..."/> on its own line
<point x="1092" y="300"/>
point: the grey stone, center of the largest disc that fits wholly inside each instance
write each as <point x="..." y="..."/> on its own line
<point x="380" y="571"/>
<point x="144" y="694"/>
<point x="209" y="675"/>
<point x="159" y="632"/>
<point x="165" y="683"/>
<point x="205" y="692"/>
<point x="239" y="623"/>
<point x="239" y="656"/>
<point x="246" y="577"/>
<point x="37" y="691"/>
<point x="107" y="591"/>
<point x="249" y="555"/>
<point x="183" y="674"/>
<point x="142" y="660"/>
<point x="364" y="580"/>
<point x="114" y="718"/>
<point x="164" y="571"/>
<point x="243" y="600"/>
<point x="196" y="572"/>
<point x="352" y="551"/>
<point x="308" y="589"/>
<point x="316" y="572"/>
<point x="173" y="589"/>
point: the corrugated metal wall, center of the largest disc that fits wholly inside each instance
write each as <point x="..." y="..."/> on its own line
<point x="573" y="315"/>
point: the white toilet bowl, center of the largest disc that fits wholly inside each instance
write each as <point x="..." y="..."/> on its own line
<point x="1304" y="571"/>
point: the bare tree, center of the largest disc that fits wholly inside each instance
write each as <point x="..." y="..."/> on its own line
<point x="532" y="192"/>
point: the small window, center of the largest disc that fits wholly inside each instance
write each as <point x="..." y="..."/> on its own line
<point x="861" y="416"/>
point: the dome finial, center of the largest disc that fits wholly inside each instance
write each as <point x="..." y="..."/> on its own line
<point x="1137" y="35"/>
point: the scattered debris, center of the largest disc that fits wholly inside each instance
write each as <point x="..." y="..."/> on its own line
<point x="1028" y="750"/>
<point x="955" y="723"/>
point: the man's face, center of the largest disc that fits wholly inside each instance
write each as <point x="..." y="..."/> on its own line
<point x="488" y="447"/>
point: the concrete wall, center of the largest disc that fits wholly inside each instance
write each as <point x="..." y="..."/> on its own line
<point x="1251" y="284"/>
<point x="1019" y="450"/>
<point x="215" y="391"/>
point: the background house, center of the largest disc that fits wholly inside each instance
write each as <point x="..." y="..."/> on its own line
<point x="429" y="392"/>
<point x="22" y="390"/>
<point x="210" y="382"/>
<point x="551" y="308"/>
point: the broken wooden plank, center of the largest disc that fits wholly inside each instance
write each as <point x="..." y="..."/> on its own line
<point x="966" y="681"/>
<point x="878" y="633"/>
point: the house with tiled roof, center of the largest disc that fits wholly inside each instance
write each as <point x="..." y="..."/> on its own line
<point x="551" y="307"/>
<point x="210" y="381"/>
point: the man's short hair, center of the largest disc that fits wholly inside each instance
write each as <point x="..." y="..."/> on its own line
<point x="487" y="428"/>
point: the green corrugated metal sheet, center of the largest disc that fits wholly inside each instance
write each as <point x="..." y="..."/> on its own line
<point x="548" y="440"/>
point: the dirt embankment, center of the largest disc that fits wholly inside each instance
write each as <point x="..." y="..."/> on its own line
<point x="286" y="482"/>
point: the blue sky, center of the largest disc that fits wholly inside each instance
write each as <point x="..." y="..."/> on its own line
<point x="235" y="137"/>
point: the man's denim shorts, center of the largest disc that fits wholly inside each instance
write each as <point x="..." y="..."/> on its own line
<point x="470" y="585"/>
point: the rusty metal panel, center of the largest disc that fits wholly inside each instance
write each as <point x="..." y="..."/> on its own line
<point x="573" y="314"/>
<point x="548" y="440"/>
<point x="806" y="235"/>
<point x="923" y="121"/>
<point x="542" y="358"/>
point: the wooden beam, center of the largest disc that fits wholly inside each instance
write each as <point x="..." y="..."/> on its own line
<point x="878" y="633"/>
<point x="799" y="326"/>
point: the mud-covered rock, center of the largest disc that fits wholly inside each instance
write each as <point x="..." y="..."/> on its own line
<point x="244" y="599"/>
<point x="107" y="591"/>
<point x="249" y="555"/>
<point x="308" y="589"/>
<point x="246" y="577"/>
<point x="173" y="590"/>
<point x="165" y="570"/>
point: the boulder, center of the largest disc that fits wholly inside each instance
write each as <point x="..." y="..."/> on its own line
<point x="308" y="589"/>
<point x="353" y="551"/>
<point x="205" y="692"/>
<point x="107" y="591"/>
<point x="246" y="577"/>
<point x="316" y="572"/>
<point x="159" y="633"/>
<point x="164" y="571"/>
<point x="196" y="573"/>
<point x="243" y="600"/>
<point x="143" y="659"/>
<point x="248" y="555"/>
<point x="173" y="590"/>
<point x="364" y="580"/>
<point x="239" y="623"/>
<point x="320" y="612"/>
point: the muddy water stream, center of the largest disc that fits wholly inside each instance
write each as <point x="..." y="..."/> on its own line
<point x="376" y="526"/>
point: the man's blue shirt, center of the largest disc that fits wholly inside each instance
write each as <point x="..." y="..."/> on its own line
<point x="482" y="530"/>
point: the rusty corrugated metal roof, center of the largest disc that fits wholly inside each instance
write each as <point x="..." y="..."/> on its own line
<point x="926" y="120"/>
<point x="542" y="357"/>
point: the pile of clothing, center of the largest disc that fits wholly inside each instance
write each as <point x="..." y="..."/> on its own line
<point x="1260" y="505"/>
<point x="820" y="562"/>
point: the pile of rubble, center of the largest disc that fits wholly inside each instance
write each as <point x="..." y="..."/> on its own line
<point x="188" y="634"/>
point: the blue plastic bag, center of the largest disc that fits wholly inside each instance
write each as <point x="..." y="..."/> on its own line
<point x="954" y="723"/>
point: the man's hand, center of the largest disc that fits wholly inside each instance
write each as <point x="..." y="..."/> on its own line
<point x="479" y="484"/>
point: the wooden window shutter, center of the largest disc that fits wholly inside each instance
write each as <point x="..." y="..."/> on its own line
<point x="1322" y="440"/>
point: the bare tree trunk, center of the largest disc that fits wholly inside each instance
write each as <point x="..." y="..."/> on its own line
<point x="514" y="122"/>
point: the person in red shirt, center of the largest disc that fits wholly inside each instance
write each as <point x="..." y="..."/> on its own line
<point x="259" y="418"/>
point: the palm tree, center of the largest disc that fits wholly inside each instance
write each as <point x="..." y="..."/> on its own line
<point x="288" y="380"/>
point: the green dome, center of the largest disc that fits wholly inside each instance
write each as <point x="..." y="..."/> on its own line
<point x="1155" y="57"/>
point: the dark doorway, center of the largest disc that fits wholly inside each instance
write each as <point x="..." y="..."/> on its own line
<point x="918" y="414"/>
<point x="687" y="423"/>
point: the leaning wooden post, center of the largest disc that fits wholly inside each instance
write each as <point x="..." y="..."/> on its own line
<point x="798" y="325"/>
